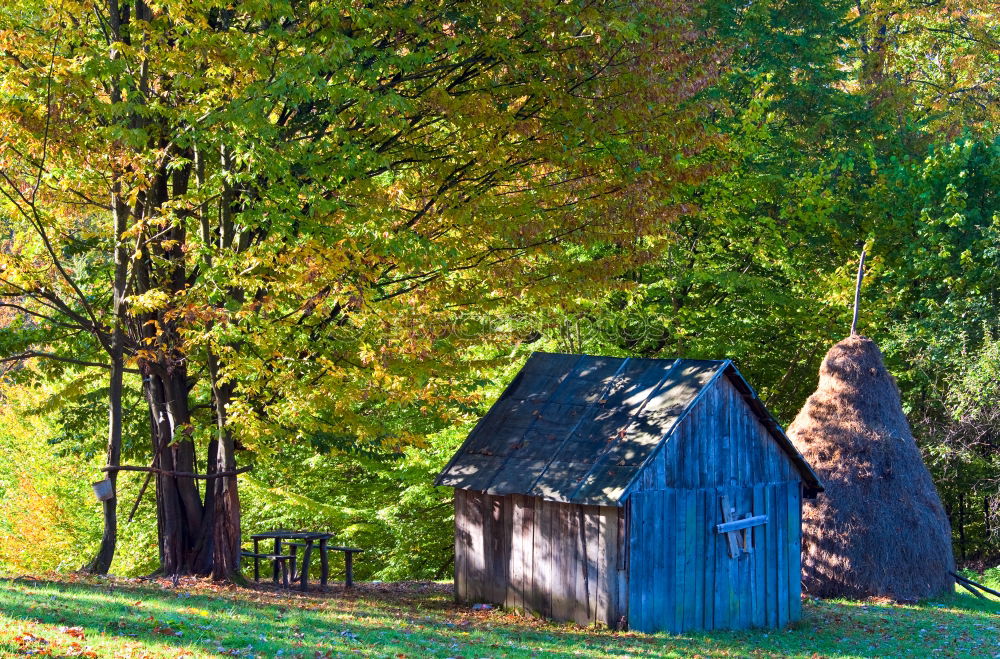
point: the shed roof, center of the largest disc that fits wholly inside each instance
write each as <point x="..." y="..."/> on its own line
<point x="579" y="428"/>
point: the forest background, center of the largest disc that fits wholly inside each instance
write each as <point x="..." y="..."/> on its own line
<point x="665" y="179"/>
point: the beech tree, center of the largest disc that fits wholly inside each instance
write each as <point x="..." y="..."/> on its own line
<point x="279" y="215"/>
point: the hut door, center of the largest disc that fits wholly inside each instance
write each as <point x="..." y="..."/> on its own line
<point x="683" y="574"/>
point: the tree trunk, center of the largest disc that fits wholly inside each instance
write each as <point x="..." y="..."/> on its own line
<point x="181" y="527"/>
<point x="226" y="517"/>
<point x="109" y="539"/>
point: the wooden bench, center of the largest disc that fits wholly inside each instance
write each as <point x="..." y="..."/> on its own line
<point x="280" y="564"/>
<point x="324" y="562"/>
<point x="306" y="540"/>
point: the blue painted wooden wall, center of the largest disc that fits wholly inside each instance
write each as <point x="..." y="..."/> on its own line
<point x="681" y="576"/>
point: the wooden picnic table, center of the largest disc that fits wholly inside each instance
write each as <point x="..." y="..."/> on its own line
<point x="304" y="540"/>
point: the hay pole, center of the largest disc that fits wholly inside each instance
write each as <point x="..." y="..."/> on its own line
<point x="857" y="292"/>
<point x="971" y="589"/>
<point x="963" y="581"/>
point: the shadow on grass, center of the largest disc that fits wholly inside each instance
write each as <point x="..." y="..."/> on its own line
<point x="421" y="620"/>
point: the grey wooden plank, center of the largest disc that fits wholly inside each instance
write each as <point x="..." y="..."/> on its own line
<point x="473" y="554"/>
<point x="692" y="576"/>
<point x="557" y="552"/>
<point x="491" y="536"/>
<point x="661" y="471"/>
<point x="569" y="560"/>
<point x="605" y="569"/>
<point x="593" y="574"/>
<point x="741" y="523"/>
<point x="657" y="576"/>
<point x="734" y="574"/>
<point x="523" y="536"/>
<point x="742" y="590"/>
<point x="474" y="558"/>
<point x="748" y="442"/>
<point x="637" y="564"/>
<point x="581" y="573"/>
<point x="721" y="604"/>
<point x="740" y="461"/>
<point x="770" y="539"/>
<point x="675" y="475"/>
<point x="513" y="509"/>
<point x="527" y="550"/>
<point x="781" y="541"/>
<point x="543" y="566"/>
<point x="491" y="540"/>
<point x="706" y="501"/>
<point x="725" y="467"/>
<point x="765" y="443"/>
<point x="676" y="531"/>
<point x="732" y="443"/>
<point x="515" y="581"/>
<point x="617" y="578"/>
<point x="461" y="546"/>
<point x="768" y="473"/>
<point x="696" y="437"/>
<point x="486" y="549"/>
<point x="759" y="558"/>
<point x="633" y="595"/>
<point x="651" y="559"/>
<point x="507" y="512"/>
<point x="528" y="535"/>
<point x="674" y="455"/>
<point x="696" y="434"/>
<point x="561" y="556"/>
<point x="699" y="436"/>
<point x="666" y="539"/>
<point x="736" y="602"/>
<point x="622" y="563"/>
<point x="794" y="553"/>
<point x="701" y="569"/>
<point x="729" y="447"/>
<point x="571" y="567"/>
<point x="710" y="437"/>
<point x="746" y="563"/>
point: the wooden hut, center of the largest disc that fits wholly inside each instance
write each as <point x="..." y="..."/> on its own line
<point x="652" y="494"/>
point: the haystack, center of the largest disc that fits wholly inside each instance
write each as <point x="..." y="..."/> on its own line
<point x="879" y="530"/>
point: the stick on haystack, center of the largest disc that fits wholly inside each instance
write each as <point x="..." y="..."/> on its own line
<point x="879" y="530"/>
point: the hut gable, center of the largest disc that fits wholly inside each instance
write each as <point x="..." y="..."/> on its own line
<point x="590" y="430"/>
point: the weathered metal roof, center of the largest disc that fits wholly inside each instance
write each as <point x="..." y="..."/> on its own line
<point x="579" y="428"/>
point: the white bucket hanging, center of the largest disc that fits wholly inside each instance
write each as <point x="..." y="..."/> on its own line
<point x="103" y="490"/>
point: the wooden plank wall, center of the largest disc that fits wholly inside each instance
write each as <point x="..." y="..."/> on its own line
<point x="547" y="558"/>
<point x="720" y="442"/>
<point x="681" y="576"/>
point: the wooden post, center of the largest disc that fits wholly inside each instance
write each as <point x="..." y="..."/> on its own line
<point x="348" y="569"/>
<point x="857" y="292"/>
<point x="256" y="559"/>
<point x="304" y="570"/>
<point x="277" y="552"/>
<point x="324" y="561"/>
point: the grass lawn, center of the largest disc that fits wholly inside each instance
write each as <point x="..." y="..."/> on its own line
<point x="121" y="618"/>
